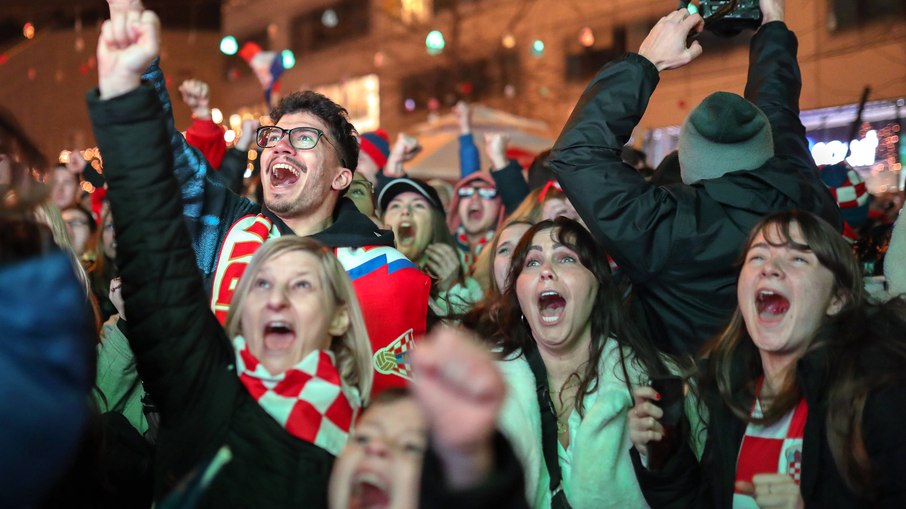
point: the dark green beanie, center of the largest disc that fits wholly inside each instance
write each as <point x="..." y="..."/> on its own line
<point x="723" y="134"/>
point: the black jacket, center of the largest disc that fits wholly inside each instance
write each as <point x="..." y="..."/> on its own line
<point x="679" y="244"/>
<point x="684" y="483"/>
<point x="183" y="355"/>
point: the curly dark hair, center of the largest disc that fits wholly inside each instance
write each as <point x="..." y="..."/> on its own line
<point x="336" y="118"/>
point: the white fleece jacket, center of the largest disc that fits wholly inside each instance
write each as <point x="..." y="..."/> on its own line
<point x="601" y="473"/>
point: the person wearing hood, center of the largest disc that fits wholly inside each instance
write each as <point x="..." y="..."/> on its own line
<point x="307" y="163"/>
<point x="740" y="159"/>
<point x="475" y="212"/>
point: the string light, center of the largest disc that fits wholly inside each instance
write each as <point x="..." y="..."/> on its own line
<point x="537" y="48"/>
<point x="28" y="30"/>
<point x="508" y="41"/>
<point x="235" y="121"/>
<point x="434" y="42"/>
<point x="330" y="18"/>
<point x="229" y="45"/>
<point x="586" y="37"/>
<point x="289" y="59"/>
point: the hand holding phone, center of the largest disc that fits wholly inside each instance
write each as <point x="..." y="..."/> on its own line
<point x="671" y="388"/>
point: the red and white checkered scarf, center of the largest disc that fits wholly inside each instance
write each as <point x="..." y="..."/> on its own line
<point x="309" y="400"/>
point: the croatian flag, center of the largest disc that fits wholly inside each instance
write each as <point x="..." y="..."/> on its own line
<point x="267" y="66"/>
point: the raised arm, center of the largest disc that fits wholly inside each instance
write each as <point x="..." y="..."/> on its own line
<point x="507" y="174"/>
<point x="179" y="346"/>
<point x="630" y="217"/>
<point x="206" y="202"/>
<point x="469" y="463"/>
<point x="203" y="133"/>
<point x="469" y="158"/>
<point x="774" y="84"/>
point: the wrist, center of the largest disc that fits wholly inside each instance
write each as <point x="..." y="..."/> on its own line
<point x="393" y="168"/>
<point x="466" y="467"/>
<point x="499" y="163"/>
<point x="659" y="66"/>
<point x="111" y="87"/>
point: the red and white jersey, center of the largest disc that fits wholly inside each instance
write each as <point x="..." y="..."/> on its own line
<point x="773" y="449"/>
<point x="392" y="292"/>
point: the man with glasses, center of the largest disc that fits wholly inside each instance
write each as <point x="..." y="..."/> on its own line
<point x="307" y="163"/>
<point x="475" y="211"/>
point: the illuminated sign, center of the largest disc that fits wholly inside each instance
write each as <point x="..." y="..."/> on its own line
<point x="831" y="152"/>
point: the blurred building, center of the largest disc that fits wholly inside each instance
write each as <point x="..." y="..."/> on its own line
<point x="530" y="58"/>
<point x="44" y="78"/>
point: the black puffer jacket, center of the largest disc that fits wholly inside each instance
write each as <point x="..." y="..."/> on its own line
<point x="678" y="244"/>
<point x="183" y="355"/>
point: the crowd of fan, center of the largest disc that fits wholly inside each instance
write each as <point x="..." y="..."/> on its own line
<point x="722" y="331"/>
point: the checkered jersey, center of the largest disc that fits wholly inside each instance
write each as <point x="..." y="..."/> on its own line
<point x="852" y="192"/>
<point x="308" y="400"/>
<point x="771" y="449"/>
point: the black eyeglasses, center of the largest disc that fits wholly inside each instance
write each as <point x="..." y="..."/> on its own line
<point x="302" y="138"/>
<point x="485" y="192"/>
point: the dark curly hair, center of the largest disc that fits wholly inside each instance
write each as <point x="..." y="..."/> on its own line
<point x="336" y="118"/>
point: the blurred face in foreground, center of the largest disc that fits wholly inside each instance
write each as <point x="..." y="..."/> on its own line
<point x="380" y="468"/>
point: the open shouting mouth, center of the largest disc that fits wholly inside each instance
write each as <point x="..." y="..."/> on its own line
<point x="551" y="306"/>
<point x="285" y="174"/>
<point x="771" y="305"/>
<point x="369" y="491"/>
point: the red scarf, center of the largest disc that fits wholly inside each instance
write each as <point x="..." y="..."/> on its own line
<point x="309" y="400"/>
<point x="462" y="241"/>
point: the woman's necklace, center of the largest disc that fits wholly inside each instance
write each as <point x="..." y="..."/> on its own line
<point x="564" y="412"/>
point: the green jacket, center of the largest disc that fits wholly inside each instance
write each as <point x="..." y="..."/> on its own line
<point x="119" y="388"/>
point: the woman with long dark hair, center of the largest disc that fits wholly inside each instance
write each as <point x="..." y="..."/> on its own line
<point x="802" y="388"/>
<point x="571" y="362"/>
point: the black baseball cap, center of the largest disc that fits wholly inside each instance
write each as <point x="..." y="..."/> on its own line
<point x="405" y="184"/>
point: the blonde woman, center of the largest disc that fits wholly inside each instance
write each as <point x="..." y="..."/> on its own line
<point x="281" y="389"/>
